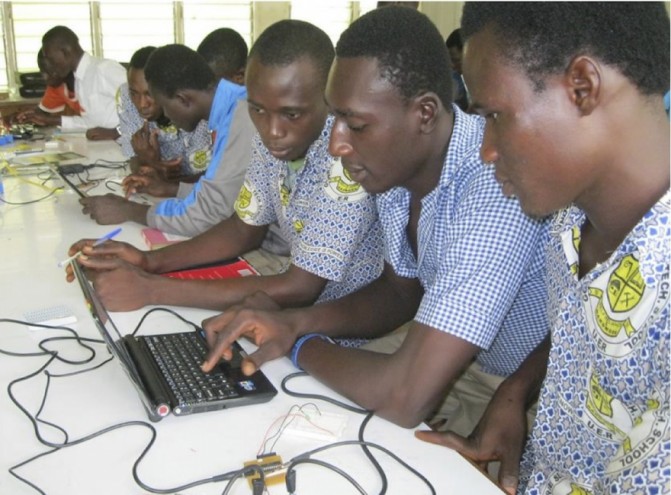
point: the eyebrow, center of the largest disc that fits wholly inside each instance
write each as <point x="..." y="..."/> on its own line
<point x="339" y="113"/>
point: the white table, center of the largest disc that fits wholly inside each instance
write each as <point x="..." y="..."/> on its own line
<point x="33" y="238"/>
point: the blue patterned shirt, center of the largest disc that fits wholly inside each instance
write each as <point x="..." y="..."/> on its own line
<point x="603" y="415"/>
<point x="194" y="147"/>
<point x="330" y="220"/>
<point x="480" y="258"/>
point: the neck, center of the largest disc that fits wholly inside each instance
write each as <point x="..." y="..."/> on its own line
<point x="429" y="173"/>
<point x="635" y="174"/>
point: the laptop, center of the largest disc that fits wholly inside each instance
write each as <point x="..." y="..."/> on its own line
<point x="165" y="368"/>
<point x="62" y="172"/>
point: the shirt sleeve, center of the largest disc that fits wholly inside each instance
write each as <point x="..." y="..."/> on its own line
<point x="53" y="100"/>
<point x="480" y="274"/>
<point x="212" y="198"/>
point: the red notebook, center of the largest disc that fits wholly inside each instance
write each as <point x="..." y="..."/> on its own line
<point x="156" y="239"/>
<point x="232" y="269"/>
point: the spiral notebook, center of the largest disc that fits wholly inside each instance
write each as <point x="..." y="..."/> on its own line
<point x="165" y="368"/>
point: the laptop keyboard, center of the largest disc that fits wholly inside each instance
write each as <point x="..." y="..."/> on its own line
<point x="179" y="357"/>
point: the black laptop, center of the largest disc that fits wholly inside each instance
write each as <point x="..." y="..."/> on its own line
<point x="165" y="368"/>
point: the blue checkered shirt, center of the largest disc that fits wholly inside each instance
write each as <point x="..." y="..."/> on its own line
<point x="480" y="258"/>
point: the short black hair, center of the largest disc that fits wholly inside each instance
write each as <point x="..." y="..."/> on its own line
<point x="174" y="67"/>
<point x="289" y="40"/>
<point x="542" y="37"/>
<point x="225" y="49"/>
<point x="41" y="61"/>
<point x="454" y="40"/>
<point x="140" y="57"/>
<point x="60" y="35"/>
<point x="409" y="49"/>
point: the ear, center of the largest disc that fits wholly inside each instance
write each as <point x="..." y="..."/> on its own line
<point x="239" y="77"/>
<point x="583" y="79"/>
<point x="184" y="97"/>
<point x="428" y="106"/>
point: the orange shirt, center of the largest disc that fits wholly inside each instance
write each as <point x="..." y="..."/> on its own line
<point x="56" y="100"/>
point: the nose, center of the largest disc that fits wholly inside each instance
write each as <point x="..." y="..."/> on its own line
<point x="338" y="143"/>
<point x="146" y="101"/>
<point x="275" y="127"/>
<point x="488" y="151"/>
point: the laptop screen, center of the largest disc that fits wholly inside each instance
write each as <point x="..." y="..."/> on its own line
<point x="109" y="332"/>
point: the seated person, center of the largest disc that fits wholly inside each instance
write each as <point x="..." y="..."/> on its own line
<point x="462" y="261"/>
<point x="97" y="81"/>
<point x="225" y="51"/>
<point x="148" y="138"/>
<point x="574" y="126"/>
<point x="455" y="48"/>
<point x="292" y="179"/>
<point x="59" y="98"/>
<point x="182" y="84"/>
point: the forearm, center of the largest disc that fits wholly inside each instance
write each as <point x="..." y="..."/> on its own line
<point x="524" y="384"/>
<point x="226" y="240"/>
<point x="372" y="311"/>
<point x="403" y="387"/>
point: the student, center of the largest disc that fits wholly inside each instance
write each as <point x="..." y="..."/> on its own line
<point x="461" y="260"/>
<point x="96" y="83"/>
<point x="576" y="125"/>
<point x="149" y="139"/>
<point x="331" y="223"/>
<point x="59" y="97"/>
<point x="184" y="86"/>
<point x="225" y="51"/>
<point x="455" y="48"/>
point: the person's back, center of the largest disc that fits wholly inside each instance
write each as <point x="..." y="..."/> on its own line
<point x="96" y="80"/>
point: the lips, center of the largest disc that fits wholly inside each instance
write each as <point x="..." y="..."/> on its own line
<point x="355" y="172"/>
<point x="506" y="186"/>
<point x="280" y="153"/>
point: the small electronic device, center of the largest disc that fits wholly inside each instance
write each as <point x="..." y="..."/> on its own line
<point x="273" y="469"/>
<point x="22" y="131"/>
<point x="53" y="315"/>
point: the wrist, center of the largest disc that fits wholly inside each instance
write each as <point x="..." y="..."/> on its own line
<point x="295" y="350"/>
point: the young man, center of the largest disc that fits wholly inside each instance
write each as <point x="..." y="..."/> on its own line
<point x="96" y="83"/>
<point x="225" y="51"/>
<point x="461" y="260"/>
<point x="572" y="94"/>
<point x="455" y="48"/>
<point x="331" y="223"/>
<point x="59" y="98"/>
<point x="148" y="138"/>
<point x="183" y="85"/>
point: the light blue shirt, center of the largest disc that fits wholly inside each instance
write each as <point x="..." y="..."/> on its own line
<point x="480" y="258"/>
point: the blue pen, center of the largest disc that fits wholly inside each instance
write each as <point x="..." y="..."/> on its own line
<point x="104" y="238"/>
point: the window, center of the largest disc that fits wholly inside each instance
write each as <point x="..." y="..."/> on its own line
<point x="126" y="27"/>
<point x="203" y="17"/>
<point x="116" y="28"/>
<point x="333" y="16"/>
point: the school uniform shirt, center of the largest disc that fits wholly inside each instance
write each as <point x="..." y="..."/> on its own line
<point x="210" y="200"/>
<point x="330" y="221"/>
<point x="57" y="99"/>
<point x="479" y="258"/>
<point x="97" y="81"/>
<point x="603" y="413"/>
<point x="195" y="148"/>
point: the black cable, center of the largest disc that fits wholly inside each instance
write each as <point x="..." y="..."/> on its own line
<point x="336" y="469"/>
<point x="313" y="396"/>
<point x="36" y="420"/>
<point x="246" y="471"/>
<point x="3" y="200"/>
<point x="373" y="460"/>
<point x="368" y="444"/>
